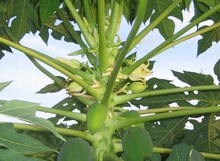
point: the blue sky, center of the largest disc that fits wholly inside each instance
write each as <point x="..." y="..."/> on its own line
<point x="27" y="79"/>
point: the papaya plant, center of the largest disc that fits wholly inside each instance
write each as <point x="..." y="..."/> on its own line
<point x="102" y="91"/>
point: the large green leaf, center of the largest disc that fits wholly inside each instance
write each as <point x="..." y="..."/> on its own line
<point x="75" y="149"/>
<point x="4" y="10"/>
<point x="67" y="104"/>
<point x="26" y="111"/>
<point x="4" y="84"/>
<point x="53" y="87"/>
<point x="8" y="155"/>
<point x="194" y="79"/>
<point x="59" y="30"/>
<point x="164" y="132"/>
<point x="205" y="134"/>
<point x="26" y="19"/>
<point x="130" y="9"/>
<point x="166" y="26"/>
<point x="19" y="142"/>
<point x="207" y="40"/>
<point x="47" y="9"/>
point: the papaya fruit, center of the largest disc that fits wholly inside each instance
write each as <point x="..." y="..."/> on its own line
<point x="96" y="116"/>
<point x="137" y="144"/>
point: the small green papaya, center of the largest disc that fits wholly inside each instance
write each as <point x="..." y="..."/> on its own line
<point x="137" y="87"/>
<point x="96" y="116"/>
<point x="137" y="144"/>
<point x="75" y="149"/>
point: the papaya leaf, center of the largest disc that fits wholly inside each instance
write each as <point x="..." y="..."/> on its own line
<point x="210" y="3"/>
<point x="50" y="88"/>
<point x="53" y="87"/>
<point x="59" y="30"/>
<point x="68" y="104"/>
<point x="4" y="84"/>
<point x="180" y="152"/>
<point x="13" y="156"/>
<point x="47" y="9"/>
<point x="164" y="132"/>
<point x="206" y="98"/>
<point x="2" y="102"/>
<point x="3" y="33"/>
<point x="130" y="9"/>
<point x="166" y="26"/>
<point x="217" y="69"/>
<point x="26" y="19"/>
<point x="75" y="149"/>
<point x="205" y="134"/>
<point x="194" y="79"/>
<point x="26" y="111"/>
<point x="20" y="143"/>
<point x="207" y="39"/>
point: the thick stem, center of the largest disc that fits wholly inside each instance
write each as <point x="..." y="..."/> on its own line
<point x="120" y="99"/>
<point x="140" y="16"/>
<point x="102" y="55"/>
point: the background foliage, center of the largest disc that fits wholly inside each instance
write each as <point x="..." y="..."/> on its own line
<point x="106" y="80"/>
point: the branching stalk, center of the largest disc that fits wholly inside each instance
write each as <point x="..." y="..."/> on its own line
<point x="73" y="115"/>
<point x="62" y="131"/>
<point x="115" y="20"/>
<point x="196" y="111"/>
<point x="153" y="24"/>
<point x="189" y="36"/>
<point x="88" y="37"/>
<point x="140" y="16"/>
<point x="164" y="109"/>
<point x="88" y="13"/>
<point x="71" y="30"/>
<point x="120" y="99"/>
<point x="53" y="63"/>
<point x="171" y="39"/>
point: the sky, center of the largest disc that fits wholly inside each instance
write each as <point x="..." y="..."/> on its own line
<point x="27" y="80"/>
